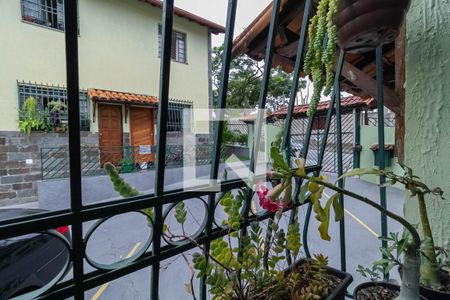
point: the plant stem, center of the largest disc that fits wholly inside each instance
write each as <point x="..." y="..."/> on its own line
<point x="409" y="289"/>
<point x="426" y="228"/>
<point x="415" y="236"/>
<point x="429" y="268"/>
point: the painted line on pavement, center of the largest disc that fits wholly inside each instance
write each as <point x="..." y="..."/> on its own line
<point x="104" y="286"/>
<point x="367" y="227"/>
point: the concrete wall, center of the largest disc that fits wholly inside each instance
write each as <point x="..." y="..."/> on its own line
<point x="118" y="50"/>
<point x="427" y="141"/>
<point x="369" y="137"/>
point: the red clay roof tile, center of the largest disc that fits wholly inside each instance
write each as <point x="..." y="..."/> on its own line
<point x="121" y="97"/>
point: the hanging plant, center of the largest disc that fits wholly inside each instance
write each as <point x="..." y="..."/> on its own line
<point x="319" y="58"/>
<point x="357" y="26"/>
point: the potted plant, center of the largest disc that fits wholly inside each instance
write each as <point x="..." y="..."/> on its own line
<point x="254" y="270"/>
<point x="376" y="288"/>
<point x="30" y="118"/>
<point x="126" y="165"/>
<point x="392" y="257"/>
<point x="316" y="186"/>
<point x="357" y="26"/>
<point x="435" y="281"/>
<point x="56" y="109"/>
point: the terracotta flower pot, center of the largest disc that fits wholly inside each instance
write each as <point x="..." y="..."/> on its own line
<point x="366" y="24"/>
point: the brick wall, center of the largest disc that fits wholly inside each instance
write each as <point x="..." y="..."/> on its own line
<point x="20" y="163"/>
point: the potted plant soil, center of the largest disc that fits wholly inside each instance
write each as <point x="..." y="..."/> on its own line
<point x="378" y="291"/>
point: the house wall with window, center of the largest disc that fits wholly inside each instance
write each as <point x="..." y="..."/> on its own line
<point x="118" y="51"/>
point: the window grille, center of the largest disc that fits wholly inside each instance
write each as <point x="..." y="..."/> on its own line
<point x="176" y="111"/>
<point x="178" y="51"/>
<point x="48" y="13"/>
<point x="46" y="94"/>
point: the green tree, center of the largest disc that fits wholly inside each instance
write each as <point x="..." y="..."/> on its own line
<point x="245" y="82"/>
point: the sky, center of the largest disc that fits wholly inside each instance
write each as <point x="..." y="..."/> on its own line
<point x="216" y="11"/>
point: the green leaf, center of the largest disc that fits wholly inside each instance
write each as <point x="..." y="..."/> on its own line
<point x="325" y="224"/>
<point x="278" y="161"/>
<point x="361" y="172"/>
<point x="338" y="211"/>
<point x="302" y="194"/>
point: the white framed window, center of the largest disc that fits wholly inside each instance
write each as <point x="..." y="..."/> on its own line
<point x="178" y="51"/>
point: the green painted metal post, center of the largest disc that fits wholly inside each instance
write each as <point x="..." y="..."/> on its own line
<point x="218" y="129"/>
<point x="381" y="141"/>
<point x="293" y="96"/>
<point x="340" y="172"/>
<point x="163" y="108"/>
<point x="276" y="4"/>
<point x="73" y="105"/>
<point x="357" y="139"/>
<point x="324" y="140"/>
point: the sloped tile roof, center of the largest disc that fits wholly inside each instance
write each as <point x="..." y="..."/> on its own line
<point x="213" y="27"/>
<point x="120" y="97"/>
<point x="347" y="105"/>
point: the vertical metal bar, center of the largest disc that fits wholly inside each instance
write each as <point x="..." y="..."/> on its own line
<point x="163" y="107"/>
<point x="305" y="231"/>
<point x="297" y="69"/>
<point x="218" y="128"/>
<point x="340" y="172"/>
<point x="330" y="109"/>
<point x="265" y="82"/>
<point x="357" y="138"/>
<point x="293" y="96"/>
<point x="307" y="139"/>
<point x="381" y="141"/>
<point x="276" y="4"/>
<point x="73" y="104"/>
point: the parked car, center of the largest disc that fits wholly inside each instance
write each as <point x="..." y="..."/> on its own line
<point x="30" y="261"/>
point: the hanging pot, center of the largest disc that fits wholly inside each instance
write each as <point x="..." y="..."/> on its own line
<point x="363" y="25"/>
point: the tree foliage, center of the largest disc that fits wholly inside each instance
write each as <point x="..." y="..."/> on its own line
<point x="245" y="79"/>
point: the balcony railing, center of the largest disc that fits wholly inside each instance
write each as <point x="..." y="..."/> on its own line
<point x="154" y="251"/>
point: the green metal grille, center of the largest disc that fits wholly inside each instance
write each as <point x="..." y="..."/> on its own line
<point x="45" y="94"/>
<point x="78" y="214"/>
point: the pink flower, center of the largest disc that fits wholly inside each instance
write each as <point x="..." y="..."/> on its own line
<point x="264" y="201"/>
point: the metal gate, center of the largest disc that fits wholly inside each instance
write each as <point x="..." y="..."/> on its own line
<point x="330" y="162"/>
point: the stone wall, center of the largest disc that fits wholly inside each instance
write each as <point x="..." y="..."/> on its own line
<point x="21" y="166"/>
<point x="20" y="162"/>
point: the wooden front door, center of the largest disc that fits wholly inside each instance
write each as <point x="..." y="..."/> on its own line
<point x="110" y="133"/>
<point x="142" y="132"/>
